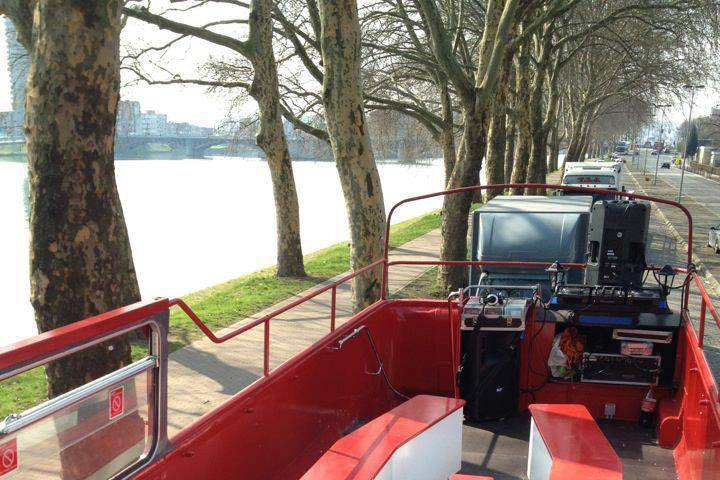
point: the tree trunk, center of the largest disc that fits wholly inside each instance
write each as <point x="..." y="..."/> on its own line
<point x="345" y="119"/>
<point x="80" y="258"/>
<point x="498" y="22"/>
<point x="510" y="133"/>
<point x="447" y="135"/>
<point x="522" y="143"/>
<point x="271" y="139"/>
<point x="497" y="134"/>
<point x="538" y="146"/>
<point x="583" y="144"/>
<point x="456" y="207"/>
<point x="495" y="161"/>
<point x="554" y="148"/>
<point x="574" y="147"/>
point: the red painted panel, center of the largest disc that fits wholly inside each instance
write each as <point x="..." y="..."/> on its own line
<point x="576" y="444"/>
<point x="279" y="427"/>
<point x="460" y="476"/>
<point x="64" y="338"/>
<point x="8" y="457"/>
<point x="363" y="453"/>
<point x="697" y="455"/>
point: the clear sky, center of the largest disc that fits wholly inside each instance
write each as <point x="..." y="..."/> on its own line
<point x="195" y="105"/>
<point x="181" y="103"/>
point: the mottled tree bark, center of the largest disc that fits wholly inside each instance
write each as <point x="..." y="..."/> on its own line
<point x="20" y="13"/>
<point x="554" y="145"/>
<point x="499" y="22"/>
<point x="345" y="119"/>
<point x="523" y="76"/>
<point x="80" y="258"/>
<point x="538" y="145"/>
<point x="584" y="143"/>
<point x="574" y="147"/>
<point x="457" y="207"/>
<point x="447" y="135"/>
<point x="510" y="133"/>
<point x="495" y="157"/>
<point x="497" y="135"/>
<point x="271" y="139"/>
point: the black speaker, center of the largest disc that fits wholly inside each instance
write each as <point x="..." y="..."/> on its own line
<point x="616" y="243"/>
<point x="489" y="379"/>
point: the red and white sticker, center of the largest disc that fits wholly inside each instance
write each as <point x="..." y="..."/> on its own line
<point x="117" y="402"/>
<point x="8" y="457"/>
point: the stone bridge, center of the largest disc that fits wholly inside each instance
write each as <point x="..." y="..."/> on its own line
<point x="192" y="147"/>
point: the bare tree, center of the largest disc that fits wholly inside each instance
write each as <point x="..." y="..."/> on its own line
<point x="345" y="120"/>
<point x="263" y="87"/>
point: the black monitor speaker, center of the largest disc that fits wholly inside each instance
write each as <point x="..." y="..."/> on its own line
<point x="617" y="238"/>
<point x="489" y="377"/>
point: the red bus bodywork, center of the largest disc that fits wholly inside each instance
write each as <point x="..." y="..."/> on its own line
<point x="281" y="424"/>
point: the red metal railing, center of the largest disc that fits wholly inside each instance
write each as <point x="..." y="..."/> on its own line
<point x="705" y="305"/>
<point x="265" y="319"/>
<point x="386" y="264"/>
<point x="540" y="186"/>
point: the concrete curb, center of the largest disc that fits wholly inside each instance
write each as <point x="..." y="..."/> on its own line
<point x="699" y="264"/>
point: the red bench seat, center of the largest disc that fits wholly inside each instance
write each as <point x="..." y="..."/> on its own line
<point x="362" y="454"/>
<point x="460" y="476"/>
<point x="576" y="446"/>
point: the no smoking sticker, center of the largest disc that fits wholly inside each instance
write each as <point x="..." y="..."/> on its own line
<point x="8" y="457"/>
<point x="117" y="401"/>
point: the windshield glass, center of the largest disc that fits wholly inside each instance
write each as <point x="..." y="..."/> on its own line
<point x="589" y="179"/>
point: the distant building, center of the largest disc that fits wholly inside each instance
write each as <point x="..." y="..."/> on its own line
<point x="11" y="125"/>
<point x="153" y="124"/>
<point x="128" y="118"/>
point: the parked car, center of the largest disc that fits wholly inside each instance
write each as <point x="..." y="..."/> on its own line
<point x="714" y="238"/>
<point x="654" y="152"/>
<point x="665" y="165"/>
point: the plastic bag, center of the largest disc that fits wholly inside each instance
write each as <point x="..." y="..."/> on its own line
<point x="557" y="361"/>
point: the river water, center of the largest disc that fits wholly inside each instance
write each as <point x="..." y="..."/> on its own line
<point x="197" y="223"/>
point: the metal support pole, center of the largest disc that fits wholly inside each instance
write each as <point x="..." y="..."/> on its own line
<point x="645" y="162"/>
<point x="662" y="125"/>
<point x="656" y="169"/>
<point x="682" y="168"/>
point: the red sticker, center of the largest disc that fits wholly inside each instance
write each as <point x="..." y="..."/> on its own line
<point x="117" y="402"/>
<point x="8" y="457"/>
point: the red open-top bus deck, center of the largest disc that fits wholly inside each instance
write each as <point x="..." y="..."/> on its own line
<point x="375" y="398"/>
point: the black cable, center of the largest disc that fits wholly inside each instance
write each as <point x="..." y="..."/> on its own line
<point x="534" y="336"/>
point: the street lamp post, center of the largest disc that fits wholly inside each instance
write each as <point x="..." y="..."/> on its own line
<point x="692" y="89"/>
<point x="662" y="125"/>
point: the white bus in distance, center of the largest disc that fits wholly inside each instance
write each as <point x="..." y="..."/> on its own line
<point x="607" y="175"/>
